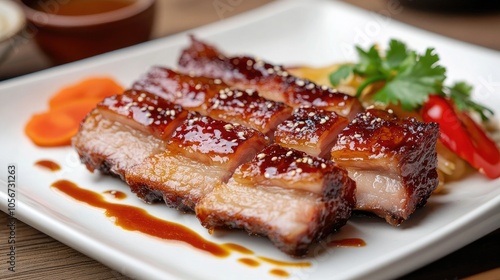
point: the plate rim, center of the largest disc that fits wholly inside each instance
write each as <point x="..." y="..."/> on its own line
<point x="207" y="30"/>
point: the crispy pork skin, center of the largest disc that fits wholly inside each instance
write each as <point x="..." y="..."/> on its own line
<point x="190" y="92"/>
<point x="216" y="99"/>
<point x="284" y="194"/>
<point x="393" y="162"/>
<point x="272" y="82"/>
<point x="249" y="109"/>
<point x="201" y="153"/>
<point x="125" y="129"/>
<point x="310" y="130"/>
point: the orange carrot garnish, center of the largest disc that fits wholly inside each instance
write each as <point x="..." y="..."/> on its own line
<point x="68" y="107"/>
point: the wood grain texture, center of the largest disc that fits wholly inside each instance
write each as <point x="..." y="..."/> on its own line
<point x="39" y="256"/>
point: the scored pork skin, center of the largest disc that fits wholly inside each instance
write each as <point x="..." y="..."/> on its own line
<point x="310" y="130"/>
<point x="216" y="99"/>
<point x="201" y="153"/>
<point x="392" y="160"/>
<point x="273" y="82"/>
<point x="124" y="129"/>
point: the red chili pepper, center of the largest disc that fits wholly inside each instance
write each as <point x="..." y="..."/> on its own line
<point x="463" y="135"/>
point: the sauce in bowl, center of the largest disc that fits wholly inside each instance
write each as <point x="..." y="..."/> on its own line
<point x="80" y="7"/>
<point x="77" y="29"/>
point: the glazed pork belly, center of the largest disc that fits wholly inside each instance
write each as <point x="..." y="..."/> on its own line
<point x="125" y="129"/>
<point x="393" y="162"/>
<point x="201" y="153"/>
<point x="272" y="82"/>
<point x="191" y="93"/>
<point x="216" y="99"/>
<point x="292" y="198"/>
<point x="310" y="130"/>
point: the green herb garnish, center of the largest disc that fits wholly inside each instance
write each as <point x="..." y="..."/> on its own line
<point x="409" y="78"/>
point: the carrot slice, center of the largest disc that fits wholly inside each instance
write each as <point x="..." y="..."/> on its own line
<point x="94" y="87"/>
<point x="57" y="126"/>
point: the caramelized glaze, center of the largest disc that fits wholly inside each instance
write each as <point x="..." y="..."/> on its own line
<point x="214" y="98"/>
<point x="310" y="130"/>
<point x="272" y="81"/>
<point x="292" y="167"/>
<point x="187" y="91"/>
<point x="247" y="108"/>
<point x="48" y="164"/>
<point x="144" y="111"/>
<point x="392" y="160"/>
<point x="275" y="160"/>
<point x="211" y="141"/>
<point x="137" y="219"/>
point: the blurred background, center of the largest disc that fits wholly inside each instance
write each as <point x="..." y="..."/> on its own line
<point x="477" y="22"/>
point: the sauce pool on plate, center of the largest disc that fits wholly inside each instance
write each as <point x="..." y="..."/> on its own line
<point x="48" y="164"/>
<point x="134" y="218"/>
<point x="279" y="272"/>
<point x="348" y="242"/>
<point x="249" y="262"/>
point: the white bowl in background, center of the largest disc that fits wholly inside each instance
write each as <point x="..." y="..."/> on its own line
<point x="12" y="22"/>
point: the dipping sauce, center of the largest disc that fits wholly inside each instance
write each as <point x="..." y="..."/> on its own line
<point x="48" y="164"/>
<point x="137" y="219"/>
<point x="348" y="242"/>
<point x="79" y="7"/>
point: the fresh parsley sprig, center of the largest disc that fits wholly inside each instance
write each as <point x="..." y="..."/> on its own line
<point x="409" y="78"/>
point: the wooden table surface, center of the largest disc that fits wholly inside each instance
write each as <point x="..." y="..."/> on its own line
<point x="42" y="257"/>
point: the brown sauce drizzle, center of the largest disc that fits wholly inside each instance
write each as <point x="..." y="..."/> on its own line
<point x="137" y="219"/>
<point x="237" y="248"/>
<point x="116" y="194"/>
<point x="348" y="242"/>
<point x="249" y="262"/>
<point x="283" y="263"/>
<point x="48" y="164"/>
<point x="279" y="272"/>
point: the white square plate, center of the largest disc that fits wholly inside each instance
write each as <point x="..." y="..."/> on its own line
<point x="285" y="32"/>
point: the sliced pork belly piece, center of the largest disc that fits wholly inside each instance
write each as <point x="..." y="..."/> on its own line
<point x="201" y="153"/>
<point x="271" y="81"/>
<point x="216" y="99"/>
<point x="284" y="194"/>
<point x="310" y="130"/>
<point x="393" y="162"/>
<point x="249" y="109"/>
<point x="191" y="93"/>
<point x="125" y="129"/>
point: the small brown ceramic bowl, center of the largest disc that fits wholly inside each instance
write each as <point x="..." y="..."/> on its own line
<point x="66" y="38"/>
